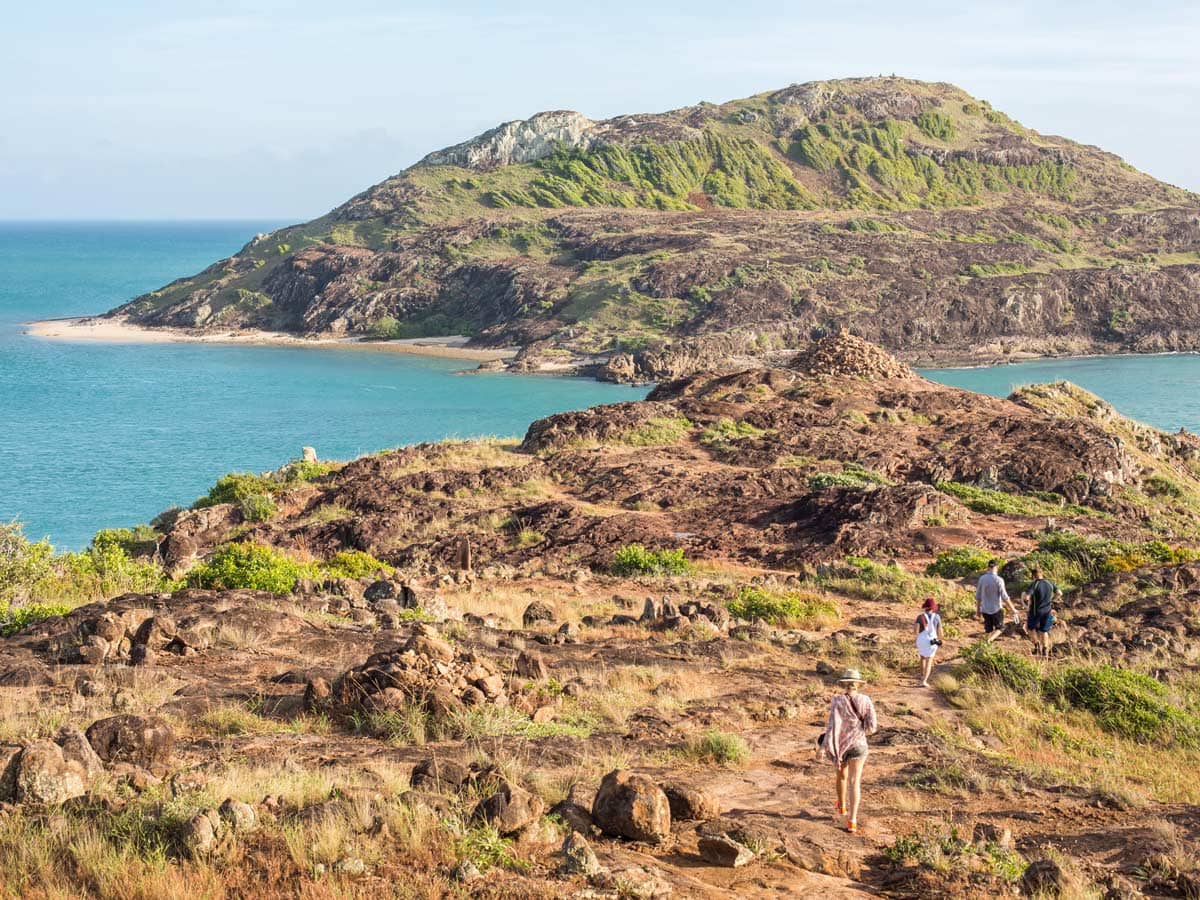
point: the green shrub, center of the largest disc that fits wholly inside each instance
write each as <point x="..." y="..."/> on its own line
<point x="987" y="660"/>
<point x="796" y="609"/>
<point x="1071" y="559"/>
<point x="355" y="564"/>
<point x="1128" y="704"/>
<point x="725" y="431"/>
<point x="1161" y="486"/>
<point x="13" y="619"/>
<point x="303" y="470"/>
<point x="250" y="566"/>
<point x="959" y="562"/>
<point x="634" y="559"/>
<point x="659" y="432"/>
<point x="236" y="487"/>
<point x="105" y="569"/>
<point x="23" y="563"/>
<point x="139" y="540"/>
<point x="386" y="328"/>
<point x="721" y="747"/>
<point x="936" y="125"/>
<point x="257" y="508"/>
<point x="860" y="577"/>
<point x="852" y="476"/>
<point x="1001" y="503"/>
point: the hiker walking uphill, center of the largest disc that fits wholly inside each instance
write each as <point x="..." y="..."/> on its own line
<point x="991" y="596"/>
<point x="929" y="637"/>
<point x="1041" y="595"/>
<point x="851" y="719"/>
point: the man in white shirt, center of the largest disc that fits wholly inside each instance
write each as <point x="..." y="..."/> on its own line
<point x="991" y="595"/>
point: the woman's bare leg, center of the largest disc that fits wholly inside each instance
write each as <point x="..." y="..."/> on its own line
<point x="854" y="776"/>
<point x="841" y="786"/>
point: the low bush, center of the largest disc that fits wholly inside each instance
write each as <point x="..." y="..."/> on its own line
<point x="988" y="661"/>
<point x="1129" y="704"/>
<point x="990" y="502"/>
<point x="257" y="508"/>
<point x="244" y="487"/>
<point x="23" y="563"/>
<point x="1071" y="559"/>
<point x="852" y="475"/>
<point x="249" y="566"/>
<point x="959" y="562"/>
<point x="726" y="431"/>
<point x="720" y="747"/>
<point x="660" y="431"/>
<point x="795" y="610"/>
<point x="355" y="564"/>
<point x="634" y="559"/>
<point x="13" y="619"/>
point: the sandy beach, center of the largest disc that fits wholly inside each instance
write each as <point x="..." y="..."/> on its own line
<point x="120" y="331"/>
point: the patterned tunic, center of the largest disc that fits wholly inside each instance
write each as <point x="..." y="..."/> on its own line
<point x="851" y="719"/>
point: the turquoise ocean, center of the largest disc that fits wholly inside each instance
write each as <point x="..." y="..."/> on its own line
<point x="100" y="435"/>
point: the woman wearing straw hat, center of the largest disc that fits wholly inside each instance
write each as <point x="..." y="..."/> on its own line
<point x="851" y="719"/>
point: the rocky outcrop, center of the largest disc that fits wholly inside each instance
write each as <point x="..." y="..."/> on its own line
<point x="518" y="142"/>
<point x="427" y="671"/>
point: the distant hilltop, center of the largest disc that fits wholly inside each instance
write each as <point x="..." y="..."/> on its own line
<point x="653" y="245"/>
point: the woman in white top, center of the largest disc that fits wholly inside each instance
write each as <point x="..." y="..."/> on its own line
<point x="929" y="637"/>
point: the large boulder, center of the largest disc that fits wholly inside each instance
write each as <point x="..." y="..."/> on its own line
<point x="45" y="775"/>
<point x="510" y="809"/>
<point x="689" y="804"/>
<point x="632" y="806"/>
<point x="141" y="740"/>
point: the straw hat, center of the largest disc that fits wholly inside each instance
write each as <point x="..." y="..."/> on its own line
<point x="851" y="675"/>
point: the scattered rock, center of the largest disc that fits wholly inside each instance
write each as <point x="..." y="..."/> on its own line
<point x="1043" y="877"/>
<point x="723" y="850"/>
<point x="531" y="665"/>
<point x="350" y="867"/>
<point x="574" y="815"/>
<point x="142" y="740"/>
<point x="465" y="872"/>
<point x="238" y="816"/>
<point x="45" y="775"/>
<point x="316" y="694"/>
<point x="690" y="804"/>
<point x="536" y="612"/>
<point x="632" y="806"/>
<point x="578" y="856"/>
<point x="510" y="809"/>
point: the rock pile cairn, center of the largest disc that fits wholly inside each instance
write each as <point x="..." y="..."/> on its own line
<point x="427" y="670"/>
<point x="845" y="355"/>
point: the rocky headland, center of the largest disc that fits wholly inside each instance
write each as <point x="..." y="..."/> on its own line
<point x="650" y="247"/>
<point x="595" y="662"/>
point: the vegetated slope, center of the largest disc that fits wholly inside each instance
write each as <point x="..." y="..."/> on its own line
<point x="847" y="452"/>
<point x="739" y="228"/>
<point x="379" y="676"/>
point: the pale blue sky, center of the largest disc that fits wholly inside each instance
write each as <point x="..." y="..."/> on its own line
<point x="226" y="109"/>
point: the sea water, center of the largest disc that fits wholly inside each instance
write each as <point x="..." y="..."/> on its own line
<point x="1160" y="390"/>
<point x="97" y="435"/>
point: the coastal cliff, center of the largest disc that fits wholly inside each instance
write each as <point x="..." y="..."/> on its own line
<point x="650" y="246"/>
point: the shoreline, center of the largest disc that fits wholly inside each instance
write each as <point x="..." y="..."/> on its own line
<point x="96" y="329"/>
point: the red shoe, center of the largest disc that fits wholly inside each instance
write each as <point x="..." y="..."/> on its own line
<point x="852" y="827"/>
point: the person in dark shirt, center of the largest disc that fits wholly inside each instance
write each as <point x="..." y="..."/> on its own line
<point x="1041" y="594"/>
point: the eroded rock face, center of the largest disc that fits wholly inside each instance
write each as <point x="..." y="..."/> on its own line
<point x="141" y="740"/>
<point x="632" y="806"/>
<point x="521" y="141"/>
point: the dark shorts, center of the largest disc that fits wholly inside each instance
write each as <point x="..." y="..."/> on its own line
<point x="858" y="751"/>
<point x="1042" y="623"/>
<point x="993" y="621"/>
